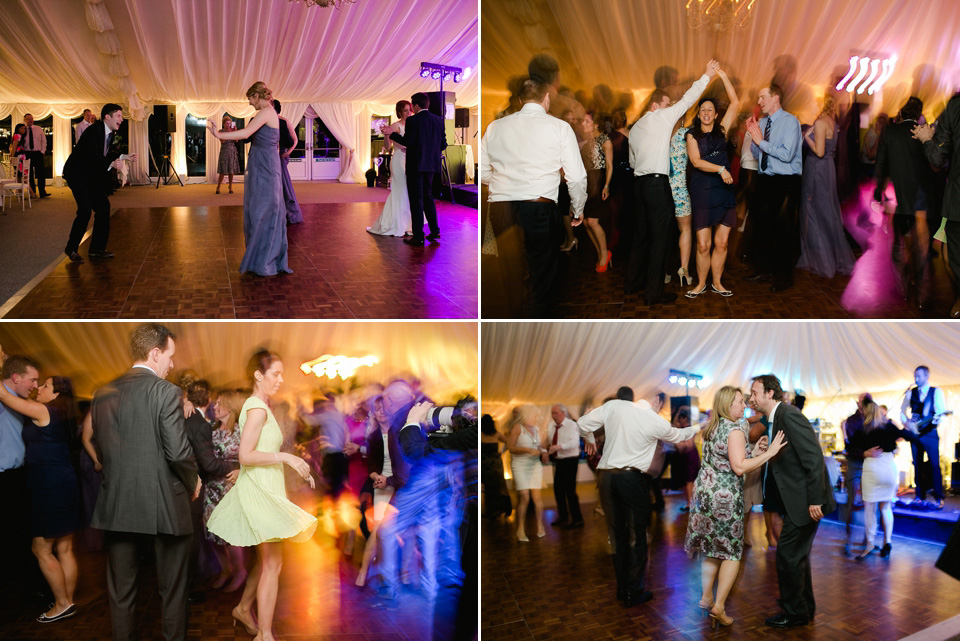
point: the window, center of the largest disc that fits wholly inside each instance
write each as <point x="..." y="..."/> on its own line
<point x="325" y="145"/>
<point x="6" y="134"/>
<point x="195" y="138"/>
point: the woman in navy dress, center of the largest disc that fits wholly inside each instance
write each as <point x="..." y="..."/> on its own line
<point x="48" y="425"/>
<point x="264" y="212"/>
<point x="711" y="188"/>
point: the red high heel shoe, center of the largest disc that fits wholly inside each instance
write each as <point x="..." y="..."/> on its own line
<point x="609" y="263"/>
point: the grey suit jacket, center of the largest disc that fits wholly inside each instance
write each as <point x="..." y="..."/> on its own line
<point x="799" y="469"/>
<point x="149" y="473"/>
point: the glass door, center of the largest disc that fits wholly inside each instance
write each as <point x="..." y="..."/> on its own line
<point x="317" y="154"/>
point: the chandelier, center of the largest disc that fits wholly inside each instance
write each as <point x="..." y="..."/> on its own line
<point x="336" y="4"/>
<point x="719" y="15"/>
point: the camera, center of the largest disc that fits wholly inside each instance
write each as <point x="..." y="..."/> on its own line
<point x="444" y="419"/>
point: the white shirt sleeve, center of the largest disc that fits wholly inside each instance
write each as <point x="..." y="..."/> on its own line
<point x="573" y="171"/>
<point x="484" y="160"/>
<point x="592" y="421"/>
<point x="674" y="111"/>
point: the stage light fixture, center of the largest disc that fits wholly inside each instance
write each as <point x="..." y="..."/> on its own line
<point x="868" y="74"/>
<point x="673" y="379"/>
<point x="339" y="366"/>
<point x="424" y="72"/>
<point x="685" y="379"/>
<point x="457" y="76"/>
<point x="682" y="380"/>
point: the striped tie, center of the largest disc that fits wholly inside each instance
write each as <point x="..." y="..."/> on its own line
<point x="766" y="136"/>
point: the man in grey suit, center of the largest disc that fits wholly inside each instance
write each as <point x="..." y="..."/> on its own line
<point x="149" y="476"/>
<point x="799" y="480"/>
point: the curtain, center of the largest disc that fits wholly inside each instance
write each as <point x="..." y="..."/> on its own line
<point x="345" y="122"/>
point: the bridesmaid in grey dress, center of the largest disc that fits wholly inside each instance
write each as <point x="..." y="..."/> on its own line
<point x="288" y="140"/>
<point x="264" y="213"/>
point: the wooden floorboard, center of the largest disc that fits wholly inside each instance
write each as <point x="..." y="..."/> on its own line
<point x="563" y="586"/>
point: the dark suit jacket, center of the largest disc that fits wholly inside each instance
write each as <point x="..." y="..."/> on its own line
<point x="799" y="468"/>
<point x="401" y="470"/>
<point x="945" y="145"/>
<point x="900" y="158"/>
<point x="148" y="469"/>
<point x="88" y="165"/>
<point x="424" y="139"/>
<point x="210" y="466"/>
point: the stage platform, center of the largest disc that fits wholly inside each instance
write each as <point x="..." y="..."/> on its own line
<point x="934" y="526"/>
<point x="182" y="261"/>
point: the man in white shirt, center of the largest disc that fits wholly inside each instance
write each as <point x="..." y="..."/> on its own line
<point x="650" y="158"/>
<point x="920" y="413"/>
<point x="631" y="461"/>
<point x="35" y="144"/>
<point x="522" y="158"/>
<point x="88" y="119"/>
<point x="564" y="450"/>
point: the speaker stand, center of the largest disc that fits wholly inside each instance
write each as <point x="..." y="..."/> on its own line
<point x="445" y="173"/>
<point x="164" y="171"/>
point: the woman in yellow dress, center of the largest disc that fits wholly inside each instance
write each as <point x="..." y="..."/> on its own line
<point x="256" y="511"/>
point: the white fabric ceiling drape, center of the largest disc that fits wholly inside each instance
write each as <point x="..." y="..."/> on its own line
<point x="620" y="43"/>
<point x="197" y="54"/>
<point x="445" y="358"/>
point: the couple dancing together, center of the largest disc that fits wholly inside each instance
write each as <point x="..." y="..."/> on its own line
<point x="420" y="135"/>
<point x="150" y="477"/>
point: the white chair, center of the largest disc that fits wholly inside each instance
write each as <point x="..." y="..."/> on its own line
<point x="22" y="189"/>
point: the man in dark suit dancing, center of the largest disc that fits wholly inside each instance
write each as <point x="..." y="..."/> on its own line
<point x="425" y="141"/>
<point x="149" y="477"/>
<point x="90" y="174"/>
<point x="798" y="478"/>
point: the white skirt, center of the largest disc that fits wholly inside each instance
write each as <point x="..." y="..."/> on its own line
<point x="527" y="472"/>
<point x="880" y="478"/>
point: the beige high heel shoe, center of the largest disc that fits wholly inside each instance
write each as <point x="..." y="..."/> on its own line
<point x="719" y="617"/>
<point x="684" y="276"/>
<point x="249" y="625"/>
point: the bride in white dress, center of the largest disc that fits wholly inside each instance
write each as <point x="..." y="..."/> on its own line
<point x="395" y="218"/>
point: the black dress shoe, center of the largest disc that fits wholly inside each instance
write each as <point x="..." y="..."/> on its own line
<point x="955" y="310"/>
<point x="759" y="276"/>
<point x="784" y="621"/>
<point x="101" y="254"/>
<point x="75" y="257"/>
<point x="885" y="550"/>
<point x="636" y="598"/>
<point x="621" y="594"/>
<point x="433" y="237"/>
<point x="575" y="525"/>
<point x="780" y="287"/>
<point x="780" y="605"/>
<point x="413" y="241"/>
<point x="666" y="297"/>
<point x="44" y="195"/>
<point x="559" y="522"/>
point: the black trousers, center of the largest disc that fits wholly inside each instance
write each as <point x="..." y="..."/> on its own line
<point x="777" y="211"/>
<point x="420" y="192"/>
<point x="652" y="235"/>
<point x="628" y="494"/>
<point x="89" y="200"/>
<point x="793" y="567"/>
<point x="21" y="568"/>
<point x="530" y="259"/>
<point x="929" y="479"/>
<point x="565" y="489"/>
<point x="38" y="175"/>
<point x="123" y="569"/>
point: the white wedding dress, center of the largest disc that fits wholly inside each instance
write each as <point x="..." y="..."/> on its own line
<point x="395" y="218"/>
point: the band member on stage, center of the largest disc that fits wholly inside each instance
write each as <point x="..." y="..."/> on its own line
<point x="920" y="413"/>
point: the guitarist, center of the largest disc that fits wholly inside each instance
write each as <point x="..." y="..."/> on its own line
<point x="924" y="404"/>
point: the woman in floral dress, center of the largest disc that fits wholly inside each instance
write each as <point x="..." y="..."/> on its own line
<point x="226" y="444"/>
<point x="715" y="528"/>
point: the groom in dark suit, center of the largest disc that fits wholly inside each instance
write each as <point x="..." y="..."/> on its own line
<point x="90" y="174"/>
<point x="799" y="481"/>
<point x="149" y="477"/>
<point x="425" y="141"/>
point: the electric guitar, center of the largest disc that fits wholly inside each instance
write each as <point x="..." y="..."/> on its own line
<point x="925" y="425"/>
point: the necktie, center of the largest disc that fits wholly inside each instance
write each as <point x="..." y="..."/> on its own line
<point x="766" y="136"/>
<point x="30" y="137"/>
<point x="556" y="436"/>
<point x="106" y="149"/>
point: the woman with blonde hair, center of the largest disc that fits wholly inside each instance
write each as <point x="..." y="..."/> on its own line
<point x="715" y="528"/>
<point x="525" y="443"/>
<point x="226" y="445"/>
<point x="264" y="211"/>
<point x="229" y="161"/>
<point x="823" y="246"/>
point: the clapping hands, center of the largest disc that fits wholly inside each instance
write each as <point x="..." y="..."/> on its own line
<point x="923" y="132"/>
<point x="754" y="129"/>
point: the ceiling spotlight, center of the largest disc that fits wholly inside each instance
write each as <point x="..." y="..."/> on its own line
<point x="424" y="72"/>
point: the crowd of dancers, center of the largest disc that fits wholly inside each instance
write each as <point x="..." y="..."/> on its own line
<point x="713" y="159"/>
<point x="214" y="482"/>
<point x="770" y="457"/>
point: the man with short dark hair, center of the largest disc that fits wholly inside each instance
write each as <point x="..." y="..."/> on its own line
<point x="149" y="477"/>
<point x="522" y="159"/>
<point x="799" y="476"/>
<point x="425" y="140"/>
<point x="854" y="449"/>
<point x="920" y="413"/>
<point x="564" y="451"/>
<point x="630" y="463"/>
<point x="777" y="144"/>
<point x="34" y="145"/>
<point x="87" y="119"/>
<point x="90" y="174"/>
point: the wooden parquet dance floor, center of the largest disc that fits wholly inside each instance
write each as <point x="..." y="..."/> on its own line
<point x="562" y="587"/>
<point x="182" y="262"/>
<point x="317" y="602"/>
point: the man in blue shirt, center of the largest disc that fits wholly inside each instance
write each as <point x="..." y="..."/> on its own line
<point x="777" y="144"/>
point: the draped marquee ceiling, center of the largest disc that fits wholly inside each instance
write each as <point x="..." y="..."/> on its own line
<point x="175" y="51"/>
<point x="444" y="358"/>
<point x="622" y="42"/>
<point x="573" y="363"/>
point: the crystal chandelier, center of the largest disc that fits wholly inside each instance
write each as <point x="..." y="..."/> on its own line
<point x="336" y="4"/>
<point x="719" y="15"/>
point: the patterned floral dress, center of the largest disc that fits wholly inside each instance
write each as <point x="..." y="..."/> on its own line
<point x="716" y="516"/>
<point x="678" y="173"/>
<point x="226" y="445"/>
